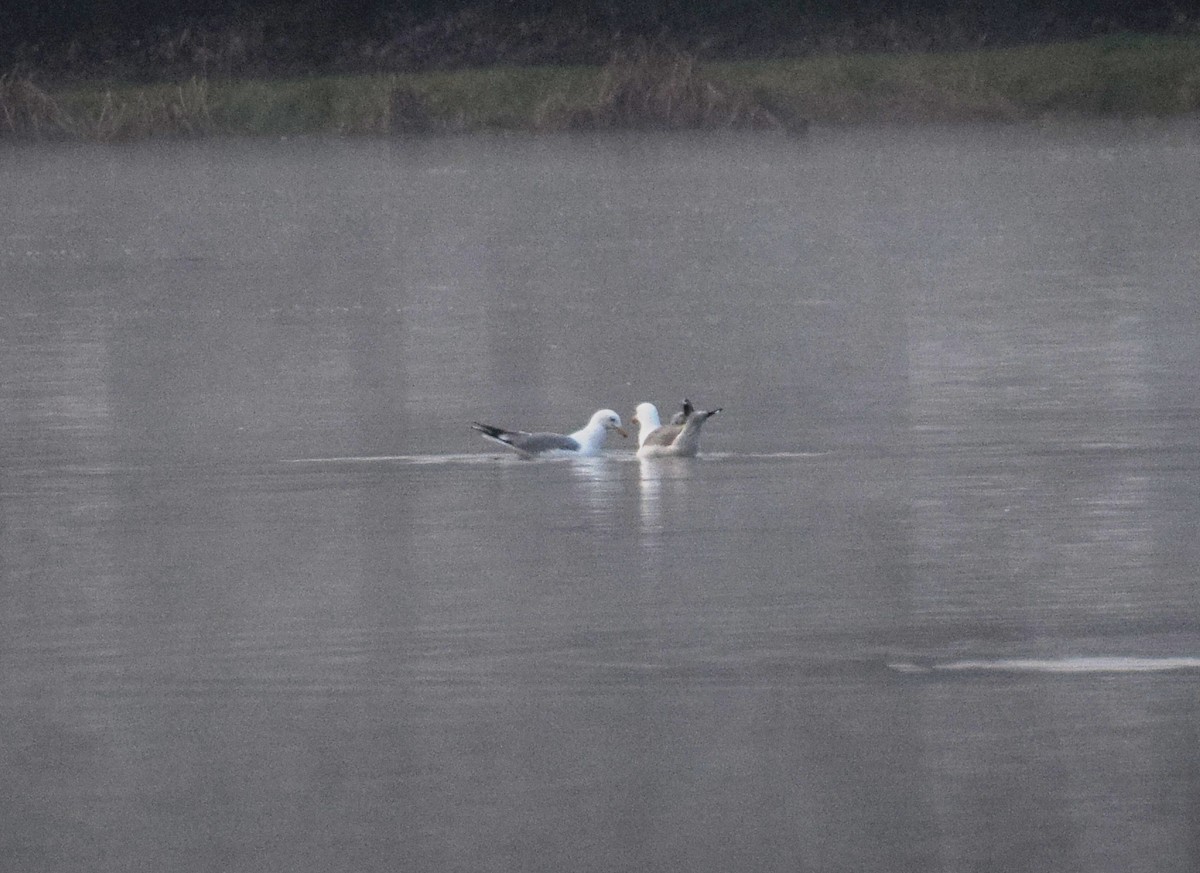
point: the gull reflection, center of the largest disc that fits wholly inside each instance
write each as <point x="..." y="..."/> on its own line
<point x="598" y="484"/>
<point x="654" y="474"/>
<point x="649" y="504"/>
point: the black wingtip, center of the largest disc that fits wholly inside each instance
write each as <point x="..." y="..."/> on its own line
<point x="486" y="429"/>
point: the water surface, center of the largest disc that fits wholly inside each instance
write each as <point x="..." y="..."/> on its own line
<point x="927" y="602"/>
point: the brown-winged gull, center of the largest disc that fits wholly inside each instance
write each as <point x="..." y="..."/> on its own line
<point x="658" y="440"/>
<point x="588" y="440"/>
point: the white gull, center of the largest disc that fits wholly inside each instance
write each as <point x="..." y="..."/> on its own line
<point x="586" y="441"/>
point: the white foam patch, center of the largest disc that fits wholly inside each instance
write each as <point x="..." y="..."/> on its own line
<point x="483" y="457"/>
<point x="1097" y="664"/>
<point x="764" y="456"/>
<point x="397" y="459"/>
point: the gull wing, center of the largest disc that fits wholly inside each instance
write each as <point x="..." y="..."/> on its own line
<point x="528" y="443"/>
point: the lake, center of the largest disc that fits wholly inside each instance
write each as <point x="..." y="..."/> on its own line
<point x="926" y="601"/>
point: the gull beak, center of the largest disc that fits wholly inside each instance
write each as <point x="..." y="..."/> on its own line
<point x="634" y="420"/>
<point x="621" y="431"/>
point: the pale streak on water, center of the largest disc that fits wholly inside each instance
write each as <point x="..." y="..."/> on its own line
<point x="927" y="602"/>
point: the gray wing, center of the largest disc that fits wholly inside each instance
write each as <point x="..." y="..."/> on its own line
<point x="663" y="436"/>
<point x="537" y="443"/>
<point x="527" y="443"/>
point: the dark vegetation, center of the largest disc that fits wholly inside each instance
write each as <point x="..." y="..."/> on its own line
<point x="107" y="69"/>
<point x="154" y="41"/>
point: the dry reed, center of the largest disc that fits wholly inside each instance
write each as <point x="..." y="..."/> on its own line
<point x="661" y="89"/>
<point x="28" y="111"/>
<point x="177" y="110"/>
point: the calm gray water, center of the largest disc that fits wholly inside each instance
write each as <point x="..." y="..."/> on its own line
<point x="927" y="602"/>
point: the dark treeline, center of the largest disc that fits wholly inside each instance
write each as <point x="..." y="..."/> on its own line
<point x="138" y="39"/>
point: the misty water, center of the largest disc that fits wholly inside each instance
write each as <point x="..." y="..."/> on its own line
<point x="927" y="601"/>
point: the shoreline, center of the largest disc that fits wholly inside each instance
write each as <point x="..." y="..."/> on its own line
<point x="1125" y="76"/>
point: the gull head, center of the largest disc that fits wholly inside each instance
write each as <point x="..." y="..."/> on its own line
<point x="645" y="416"/>
<point x="608" y="420"/>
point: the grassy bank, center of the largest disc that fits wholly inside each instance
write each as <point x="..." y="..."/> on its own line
<point x="1129" y="76"/>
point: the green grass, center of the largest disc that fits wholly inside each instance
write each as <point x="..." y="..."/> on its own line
<point x="504" y="97"/>
<point x="1125" y="76"/>
<point x="1130" y="76"/>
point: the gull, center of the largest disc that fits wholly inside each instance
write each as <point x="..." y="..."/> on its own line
<point x="681" y="416"/>
<point x="584" y="442"/>
<point x="658" y="440"/>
